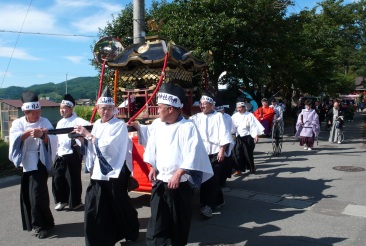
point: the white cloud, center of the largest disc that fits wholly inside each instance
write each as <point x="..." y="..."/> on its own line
<point x="16" y="54"/>
<point x="12" y="18"/>
<point x="40" y="76"/>
<point x="88" y="15"/>
<point x="101" y="5"/>
<point x="60" y="16"/>
<point x="72" y="4"/>
<point x="75" y="59"/>
<point x="112" y="8"/>
<point x="8" y="74"/>
<point x="92" y="23"/>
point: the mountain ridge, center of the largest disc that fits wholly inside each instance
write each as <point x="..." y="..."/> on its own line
<point x="79" y="88"/>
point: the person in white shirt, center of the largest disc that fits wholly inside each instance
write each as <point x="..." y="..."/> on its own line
<point x="216" y="139"/>
<point x="178" y="164"/>
<point x="278" y="109"/>
<point x="66" y="181"/>
<point x="109" y="215"/>
<point x="283" y="105"/>
<point x="246" y="129"/>
<point x="33" y="149"/>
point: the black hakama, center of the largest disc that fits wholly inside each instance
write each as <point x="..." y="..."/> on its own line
<point x="226" y="170"/>
<point x="109" y="214"/>
<point x="35" y="201"/>
<point x="66" y="183"/>
<point x="210" y="191"/>
<point x="243" y="153"/>
<point x="171" y="213"/>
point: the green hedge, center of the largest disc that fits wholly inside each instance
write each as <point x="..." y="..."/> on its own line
<point x="85" y="112"/>
<point x="6" y="166"/>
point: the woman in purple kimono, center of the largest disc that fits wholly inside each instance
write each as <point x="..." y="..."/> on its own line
<point x="307" y="126"/>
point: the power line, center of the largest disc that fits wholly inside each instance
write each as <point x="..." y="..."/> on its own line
<point x="299" y="6"/>
<point x="16" y="42"/>
<point x="295" y="8"/>
<point x="50" y="34"/>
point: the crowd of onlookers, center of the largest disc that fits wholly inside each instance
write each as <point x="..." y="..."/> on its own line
<point x="349" y="107"/>
<point x="309" y="116"/>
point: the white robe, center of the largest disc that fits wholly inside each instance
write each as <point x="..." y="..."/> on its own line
<point x="309" y="124"/>
<point x="245" y="124"/>
<point x="28" y="153"/>
<point x="228" y="121"/>
<point x="173" y="146"/>
<point x="113" y="142"/>
<point x="228" y="124"/>
<point x="213" y="132"/>
<point x="64" y="142"/>
<point x="335" y="133"/>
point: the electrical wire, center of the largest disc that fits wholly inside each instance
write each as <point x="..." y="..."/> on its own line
<point x="299" y="6"/>
<point x="50" y="34"/>
<point x="16" y="43"/>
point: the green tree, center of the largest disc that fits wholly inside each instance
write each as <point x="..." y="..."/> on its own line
<point x="260" y="47"/>
<point x="241" y="34"/>
<point x="332" y="36"/>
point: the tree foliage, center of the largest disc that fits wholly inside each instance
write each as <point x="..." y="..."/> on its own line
<point x="260" y="46"/>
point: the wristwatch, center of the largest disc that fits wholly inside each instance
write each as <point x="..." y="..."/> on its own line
<point x="89" y="138"/>
<point x="43" y="136"/>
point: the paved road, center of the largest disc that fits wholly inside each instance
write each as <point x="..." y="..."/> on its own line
<point x="297" y="198"/>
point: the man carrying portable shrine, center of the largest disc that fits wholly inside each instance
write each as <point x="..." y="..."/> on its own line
<point x="109" y="215"/>
<point x="33" y="149"/>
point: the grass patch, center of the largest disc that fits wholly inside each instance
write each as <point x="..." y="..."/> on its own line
<point x="7" y="168"/>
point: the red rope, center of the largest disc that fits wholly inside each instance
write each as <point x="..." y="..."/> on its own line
<point x="99" y="91"/>
<point x="155" y="91"/>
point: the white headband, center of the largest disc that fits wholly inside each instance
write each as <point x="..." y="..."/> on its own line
<point x="240" y="104"/>
<point x="105" y="100"/>
<point x="220" y="108"/>
<point x="169" y="99"/>
<point x="67" y="103"/>
<point x="208" y="99"/>
<point x="31" y="106"/>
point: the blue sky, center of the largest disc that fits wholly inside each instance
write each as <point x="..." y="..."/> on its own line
<point x="28" y="59"/>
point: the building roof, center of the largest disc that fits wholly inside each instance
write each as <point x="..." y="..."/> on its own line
<point x="84" y="100"/>
<point x="360" y="83"/>
<point x="18" y="103"/>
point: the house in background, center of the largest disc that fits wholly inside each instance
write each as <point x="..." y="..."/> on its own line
<point x="47" y="98"/>
<point x="84" y="102"/>
<point x="11" y="110"/>
<point x="360" y="84"/>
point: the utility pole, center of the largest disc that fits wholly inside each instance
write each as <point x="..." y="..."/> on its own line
<point x="139" y="21"/>
<point x="66" y="83"/>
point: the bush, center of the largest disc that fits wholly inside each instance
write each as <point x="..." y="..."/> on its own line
<point x="6" y="166"/>
<point x="85" y="112"/>
<point x="4" y="152"/>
